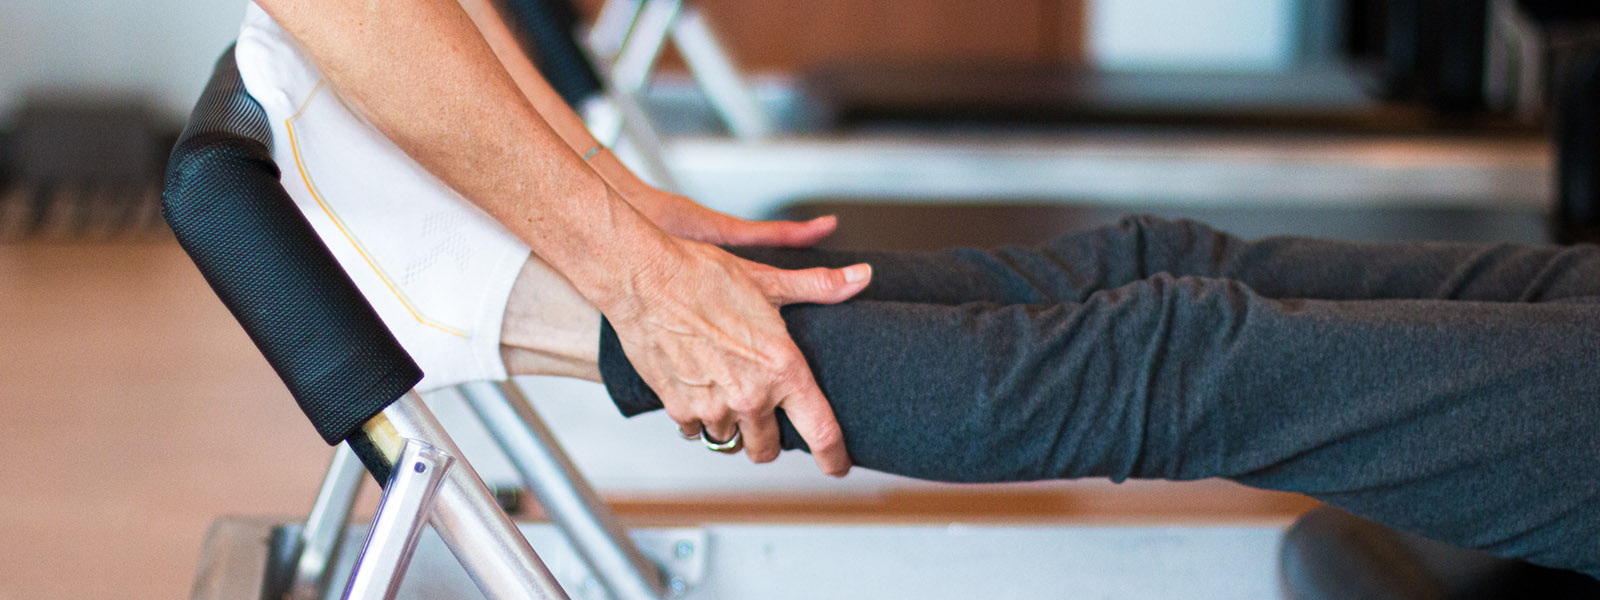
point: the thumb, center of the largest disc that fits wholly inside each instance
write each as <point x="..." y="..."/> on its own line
<point x="814" y="286"/>
<point x="792" y="234"/>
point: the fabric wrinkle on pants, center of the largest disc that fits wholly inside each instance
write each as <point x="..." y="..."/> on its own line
<point x="1443" y="389"/>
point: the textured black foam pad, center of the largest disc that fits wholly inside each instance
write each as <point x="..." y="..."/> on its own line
<point x="552" y="27"/>
<point x="261" y="256"/>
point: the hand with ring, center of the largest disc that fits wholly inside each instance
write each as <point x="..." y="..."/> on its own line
<point x="733" y="444"/>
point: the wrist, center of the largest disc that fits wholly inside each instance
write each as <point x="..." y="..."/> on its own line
<point x="618" y="175"/>
<point x="621" y="281"/>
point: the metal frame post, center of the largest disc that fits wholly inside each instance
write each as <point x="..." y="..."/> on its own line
<point x="488" y="545"/>
<point x="407" y="501"/>
<point x="719" y="78"/>
<point x="561" y="489"/>
<point x="642" y="46"/>
<point x="323" y="535"/>
<point x="629" y="34"/>
<point x="611" y="28"/>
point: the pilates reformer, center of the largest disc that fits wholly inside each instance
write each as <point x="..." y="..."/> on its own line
<point x="303" y="313"/>
<point x="777" y="153"/>
<point x="352" y="380"/>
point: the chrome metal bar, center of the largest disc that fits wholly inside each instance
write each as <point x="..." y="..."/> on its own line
<point x="603" y="119"/>
<point x="621" y="121"/>
<point x="724" y="87"/>
<point x="618" y="122"/>
<point x="562" y="490"/>
<point x="323" y="534"/>
<point x="407" y="501"/>
<point x="494" y="554"/>
<point x="611" y="28"/>
<point x="643" y="45"/>
<point x="641" y="147"/>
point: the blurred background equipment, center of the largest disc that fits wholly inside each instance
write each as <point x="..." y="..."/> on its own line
<point x="921" y="123"/>
<point x="91" y="97"/>
<point x="83" y="168"/>
<point x="1534" y="46"/>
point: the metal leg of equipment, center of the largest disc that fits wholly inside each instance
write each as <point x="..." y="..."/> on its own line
<point x="630" y="72"/>
<point x="323" y="535"/>
<point x="495" y="555"/>
<point x="600" y="543"/>
<point x="617" y="120"/>
<point x="610" y="29"/>
<point x="407" y="501"/>
<point x="561" y="489"/>
<point x="719" y="78"/>
<point x="617" y="115"/>
<point x="628" y="37"/>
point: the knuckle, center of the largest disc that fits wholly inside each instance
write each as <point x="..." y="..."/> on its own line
<point x="781" y="360"/>
<point x="746" y="404"/>
<point x="763" y="277"/>
<point x="733" y="389"/>
<point x="819" y="282"/>
<point x="712" y="415"/>
<point x="825" y="437"/>
<point x="680" y="416"/>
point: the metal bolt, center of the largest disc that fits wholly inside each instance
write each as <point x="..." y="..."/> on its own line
<point x="679" y="586"/>
<point x="683" y="549"/>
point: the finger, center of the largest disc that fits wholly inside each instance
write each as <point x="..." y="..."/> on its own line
<point x="760" y="437"/>
<point x="813" y="418"/>
<point x="792" y="234"/>
<point x="818" y="285"/>
<point x="688" y="422"/>
<point x="721" y="429"/>
<point x="689" y="431"/>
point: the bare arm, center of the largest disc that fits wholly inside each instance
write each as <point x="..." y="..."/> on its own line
<point x="676" y="214"/>
<point x="421" y="73"/>
<point x="701" y="325"/>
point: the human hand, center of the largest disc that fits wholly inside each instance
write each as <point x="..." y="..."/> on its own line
<point x="702" y="329"/>
<point x="687" y="219"/>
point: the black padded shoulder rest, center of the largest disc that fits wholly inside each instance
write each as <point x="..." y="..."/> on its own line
<point x="260" y="255"/>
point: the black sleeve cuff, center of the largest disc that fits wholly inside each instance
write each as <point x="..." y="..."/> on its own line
<point x="633" y="397"/>
<point x="628" y="391"/>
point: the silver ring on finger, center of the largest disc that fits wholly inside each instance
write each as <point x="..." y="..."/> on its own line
<point x="726" y="447"/>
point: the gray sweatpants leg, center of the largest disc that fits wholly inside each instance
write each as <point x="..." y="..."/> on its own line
<point x="1446" y="390"/>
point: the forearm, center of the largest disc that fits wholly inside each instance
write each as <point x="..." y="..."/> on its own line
<point x="423" y="75"/>
<point x="562" y="118"/>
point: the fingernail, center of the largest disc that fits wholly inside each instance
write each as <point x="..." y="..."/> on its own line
<point x="857" y="273"/>
<point x="825" y="219"/>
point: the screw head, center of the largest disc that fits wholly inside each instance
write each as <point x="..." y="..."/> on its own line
<point x="678" y="586"/>
<point x="683" y="549"/>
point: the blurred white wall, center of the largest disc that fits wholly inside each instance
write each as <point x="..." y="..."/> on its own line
<point x="1193" y="34"/>
<point x="159" y="49"/>
<point x="163" y="49"/>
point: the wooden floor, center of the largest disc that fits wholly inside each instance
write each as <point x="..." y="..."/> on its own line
<point x="133" y="411"/>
